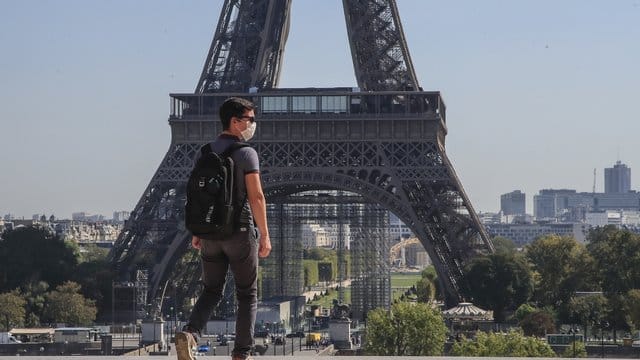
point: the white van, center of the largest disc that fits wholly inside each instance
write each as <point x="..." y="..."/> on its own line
<point x="7" y="338"/>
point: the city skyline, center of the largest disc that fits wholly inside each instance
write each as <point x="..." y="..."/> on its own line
<point x="535" y="99"/>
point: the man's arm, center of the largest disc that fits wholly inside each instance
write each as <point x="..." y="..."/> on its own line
<point x="258" y="206"/>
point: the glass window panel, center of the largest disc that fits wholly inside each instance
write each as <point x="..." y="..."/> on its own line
<point x="303" y="104"/>
<point x="274" y="104"/>
<point x="336" y="104"/>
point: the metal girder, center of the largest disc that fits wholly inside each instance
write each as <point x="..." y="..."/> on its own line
<point x="379" y="50"/>
<point x="413" y="180"/>
<point x="247" y="47"/>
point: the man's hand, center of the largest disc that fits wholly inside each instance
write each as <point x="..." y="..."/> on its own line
<point x="195" y="242"/>
<point x="265" y="246"/>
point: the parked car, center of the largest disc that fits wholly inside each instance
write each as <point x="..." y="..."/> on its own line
<point x="203" y="348"/>
<point x="297" y="334"/>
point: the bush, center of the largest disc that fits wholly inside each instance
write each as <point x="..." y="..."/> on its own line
<point x="579" y="351"/>
<point x="512" y="344"/>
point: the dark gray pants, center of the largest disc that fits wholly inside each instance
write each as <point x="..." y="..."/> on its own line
<point x="240" y="253"/>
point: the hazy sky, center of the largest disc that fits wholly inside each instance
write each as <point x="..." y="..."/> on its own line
<point x="538" y="92"/>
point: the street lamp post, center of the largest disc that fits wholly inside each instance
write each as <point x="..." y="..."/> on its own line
<point x="602" y="341"/>
<point x="139" y="338"/>
<point x="603" y="325"/>
<point x="574" y="343"/>
<point x="155" y="348"/>
<point x="174" y="329"/>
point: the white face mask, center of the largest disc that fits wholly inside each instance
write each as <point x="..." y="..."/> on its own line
<point x="247" y="133"/>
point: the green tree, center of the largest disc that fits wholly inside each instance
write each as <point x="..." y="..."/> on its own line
<point x="426" y="288"/>
<point x="617" y="274"/>
<point x="34" y="294"/>
<point x="616" y="253"/>
<point x="31" y="254"/>
<point x="95" y="278"/>
<point x="499" y="282"/>
<point x="524" y="310"/>
<point x="310" y="272"/>
<point x="562" y="266"/>
<point x="502" y="244"/>
<point x="511" y="344"/>
<point x="588" y="311"/>
<point x="12" y="312"/>
<point x="538" y="323"/>
<point x="633" y="307"/>
<point x="407" y="330"/>
<point x="67" y="305"/>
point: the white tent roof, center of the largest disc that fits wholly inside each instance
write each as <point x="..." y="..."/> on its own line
<point x="467" y="310"/>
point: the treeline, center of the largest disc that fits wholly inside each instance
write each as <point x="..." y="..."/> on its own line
<point x="46" y="280"/>
<point x="553" y="281"/>
<point x="558" y="280"/>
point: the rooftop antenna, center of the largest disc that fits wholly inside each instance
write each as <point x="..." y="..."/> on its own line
<point x="594" y="181"/>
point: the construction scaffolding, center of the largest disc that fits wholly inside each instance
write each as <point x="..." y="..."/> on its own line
<point x="370" y="266"/>
<point x="352" y="225"/>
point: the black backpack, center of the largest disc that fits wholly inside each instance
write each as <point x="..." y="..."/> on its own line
<point x="211" y="209"/>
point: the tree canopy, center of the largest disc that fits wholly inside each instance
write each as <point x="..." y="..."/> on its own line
<point x="408" y="329"/>
<point x="562" y="266"/>
<point x="588" y="311"/>
<point x="32" y="254"/>
<point x="617" y="259"/>
<point x="499" y="282"/>
<point x="538" y="323"/>
<point x="12" y="312"/>
<point x="427" y="287"/>
<point x="67" y="305"/>
<point x="502" y="244"/>
<point x="511" y="344"/>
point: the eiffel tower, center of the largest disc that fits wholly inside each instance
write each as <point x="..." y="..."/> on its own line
<point x="383" y="141"/>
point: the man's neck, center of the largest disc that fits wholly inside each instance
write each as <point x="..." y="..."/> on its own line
<point x="229" y="134"/>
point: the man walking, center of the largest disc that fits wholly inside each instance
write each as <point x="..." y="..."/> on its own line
<point x="240" y="250"/>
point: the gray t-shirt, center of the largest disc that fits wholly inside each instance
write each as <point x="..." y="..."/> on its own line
<point x="246" y="162"/>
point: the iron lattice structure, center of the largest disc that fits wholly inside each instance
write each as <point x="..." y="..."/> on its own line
<point x="384" y="141"/>
<point x="357" y="227"/>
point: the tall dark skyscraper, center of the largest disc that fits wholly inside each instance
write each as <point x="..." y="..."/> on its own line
<point x="617" y="179"/>
<point x="513" y="203"/>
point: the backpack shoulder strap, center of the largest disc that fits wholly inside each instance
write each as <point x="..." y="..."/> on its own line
<point x="205" y="149"/>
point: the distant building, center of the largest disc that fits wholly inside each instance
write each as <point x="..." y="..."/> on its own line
<point x="325" y="235"/>
<point x="416" y="255"/>
<point x="121" y="216"/>
<point x="613" y="217"/>
<point x="281" y="313"/>
<point x="617" y="179"/>
<point x="397" y="229"/>
<point x="491" y="218"/>
<point x="83" y="216"/>
<point x="570" y="206"/>
<point x="513" y="203"/>
<point x="548" y="203"/>
<point x="523" y="234"/>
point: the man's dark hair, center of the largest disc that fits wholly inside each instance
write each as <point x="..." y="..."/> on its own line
<point x="234" y="106"/>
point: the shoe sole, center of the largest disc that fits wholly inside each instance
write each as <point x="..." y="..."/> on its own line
<point x="184" y="344"/>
